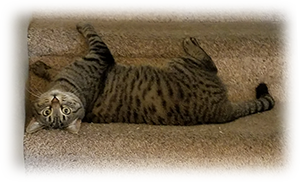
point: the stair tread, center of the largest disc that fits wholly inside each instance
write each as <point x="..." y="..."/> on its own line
<point x="165" y="11"/>
<point x="261" y="143"/>
<point x="142" y="39"/>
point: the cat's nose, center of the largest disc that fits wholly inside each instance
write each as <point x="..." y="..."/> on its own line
<point x="54" y="100"/>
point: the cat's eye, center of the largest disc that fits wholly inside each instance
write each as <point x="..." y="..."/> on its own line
<point x="65" y="110"/>
<point x="47" y="112"/>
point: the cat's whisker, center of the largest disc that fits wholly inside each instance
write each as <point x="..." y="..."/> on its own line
<point x="32" y="93"/>
<point x="36" y="90"/>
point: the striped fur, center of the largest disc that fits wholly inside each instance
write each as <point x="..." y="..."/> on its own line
<point x="186" y="92"/>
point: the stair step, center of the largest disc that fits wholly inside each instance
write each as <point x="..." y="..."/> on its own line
<point x="262" y="147"/>
<point x="245" y="53"/>
<point x="165" y="11"/>
<point x="240" y="75"/>
<point x="132" y="39"/>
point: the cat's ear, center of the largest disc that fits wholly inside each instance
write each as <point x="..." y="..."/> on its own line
<point x="74" y="126"/>
<point x="33" y="126"/>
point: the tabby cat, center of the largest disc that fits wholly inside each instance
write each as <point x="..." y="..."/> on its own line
<point x="185" y="92"/>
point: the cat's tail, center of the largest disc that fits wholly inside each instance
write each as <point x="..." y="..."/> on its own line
<point x="98" y="50"/>
<point x="263" y="102"/>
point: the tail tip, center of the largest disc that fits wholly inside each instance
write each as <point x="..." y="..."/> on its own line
<point x="261" y="90"/>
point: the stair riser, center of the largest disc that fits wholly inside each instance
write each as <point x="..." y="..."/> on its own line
<point x="156" y="41"/>
<point x="240" y="75"/>
<point x="167" y="47"/>
<point x="165" y="11"/>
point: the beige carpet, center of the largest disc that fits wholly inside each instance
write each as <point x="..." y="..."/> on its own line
<point x="262" y="147"/>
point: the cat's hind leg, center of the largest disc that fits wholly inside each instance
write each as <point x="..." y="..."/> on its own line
<point x="263" y="102"/>
<point x="192" y="48"/>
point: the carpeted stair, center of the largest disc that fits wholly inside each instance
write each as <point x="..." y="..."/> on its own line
<point x="250" y="41"/>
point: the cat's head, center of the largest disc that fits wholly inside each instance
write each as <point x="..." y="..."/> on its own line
<point x="57" y="110"/>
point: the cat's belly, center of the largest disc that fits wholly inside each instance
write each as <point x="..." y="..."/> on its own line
<point x="157" y="98"/>
<point x="156" y="111"/>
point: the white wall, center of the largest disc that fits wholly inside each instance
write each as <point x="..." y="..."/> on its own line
<point x="14" y="20"/>
<point x="297" y="10"/>
<point x="297" y="4"/>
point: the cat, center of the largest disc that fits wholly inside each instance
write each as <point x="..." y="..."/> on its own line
<point x="185" y="92"/>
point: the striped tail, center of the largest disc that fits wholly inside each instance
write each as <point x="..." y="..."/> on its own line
<point x="263" y="102"/>
<point x="98" y="50"/>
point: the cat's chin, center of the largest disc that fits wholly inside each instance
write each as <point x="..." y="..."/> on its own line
<point x="35" y="126"/>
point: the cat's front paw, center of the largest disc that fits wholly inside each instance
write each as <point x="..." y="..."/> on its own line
<point x="82" y="25"/>
<point x="40" y="69"/>
<point x="190" y="41"/>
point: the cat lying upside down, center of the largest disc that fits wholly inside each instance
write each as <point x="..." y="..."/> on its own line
<point x="95" y="88"/>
